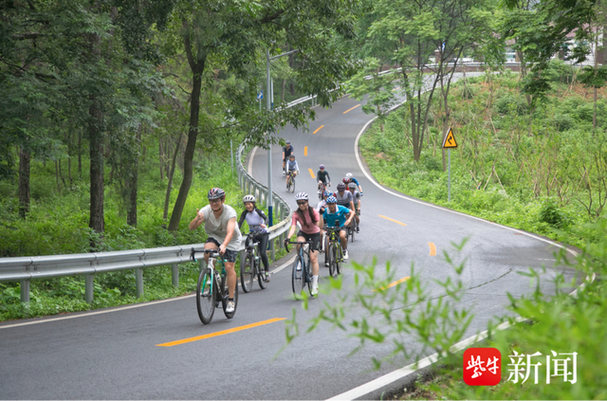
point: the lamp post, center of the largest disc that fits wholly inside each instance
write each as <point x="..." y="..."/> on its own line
<point x="269" y="105"/>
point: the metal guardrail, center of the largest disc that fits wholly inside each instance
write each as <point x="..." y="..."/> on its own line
<point x="25" y="269"/>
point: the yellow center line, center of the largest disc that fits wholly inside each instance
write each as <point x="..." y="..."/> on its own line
<point x="397" y="282"/>
<point x="432" y="248"/>
<point x="306" y="151"/>
<point x="318" y="129"/>
<point x="311" y="173"/>
<point x="387" y="218"/>
<point x="220" y="333"/>
<point x="351" y="109"/>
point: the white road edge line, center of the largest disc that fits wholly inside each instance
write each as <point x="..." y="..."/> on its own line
<point x="398" y="374"/>
<point x="122" y="308"/>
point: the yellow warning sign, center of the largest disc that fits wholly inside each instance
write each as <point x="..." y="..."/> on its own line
<point x="450" y="141"/>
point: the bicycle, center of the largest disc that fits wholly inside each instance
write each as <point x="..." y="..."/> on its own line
<point x="334" y="252"/>
<point x="322" y="187"/>
<point x="301" y="274"/>
<point x="252" y="266"/>
<point x="351" y="229"/>
<point x="212" y="287"/>
<point x="290" y="181"/>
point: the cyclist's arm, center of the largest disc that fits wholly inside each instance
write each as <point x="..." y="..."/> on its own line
<point x="242" y="217"/>
<point x="263" y="216"/>
<point x="296" y="166"/>
<point x="198" y="220"/>
<point x="229" y="234"/>
<point x="350" y="217"/>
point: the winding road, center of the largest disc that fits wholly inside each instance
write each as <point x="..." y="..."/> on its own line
<point x="160" y="350"/>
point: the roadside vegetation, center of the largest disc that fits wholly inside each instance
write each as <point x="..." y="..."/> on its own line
<point x="540" y="169"/>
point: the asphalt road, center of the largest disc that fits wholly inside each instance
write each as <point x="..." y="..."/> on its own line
<point x="116" y="353"/>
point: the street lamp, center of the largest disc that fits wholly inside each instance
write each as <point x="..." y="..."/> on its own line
<point x="268" y="103"/>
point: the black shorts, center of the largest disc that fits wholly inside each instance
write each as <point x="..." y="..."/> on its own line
<point x="315" y="238"/>
<point x="228" y="256"/>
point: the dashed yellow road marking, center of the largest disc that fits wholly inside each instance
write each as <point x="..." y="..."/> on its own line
<point x="311" y="173"/>
<point x="396" y="221"/>
<point x="392" y="284"/>
<point x="318" y="129"/>
<point x="220" y="333"/>
<point x="351" y="109"/>
<point x="432" y="248"/>
<point x="306" y="151"/>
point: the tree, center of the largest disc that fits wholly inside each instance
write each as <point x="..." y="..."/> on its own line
<point x="233" y="35"/>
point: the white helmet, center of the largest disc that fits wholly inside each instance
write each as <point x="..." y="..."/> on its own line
<point x="248" y="198"/>
<point x="301" y="196"/>
<point x="349" y="175"/>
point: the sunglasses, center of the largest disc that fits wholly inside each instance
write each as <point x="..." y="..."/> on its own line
<point x="302" y="202"/>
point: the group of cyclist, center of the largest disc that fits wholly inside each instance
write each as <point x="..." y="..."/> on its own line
<point x="337" y="209"/>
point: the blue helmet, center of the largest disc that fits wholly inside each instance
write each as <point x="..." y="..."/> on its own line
<point x="331" y="199"/>
<point x="326" y="194"/>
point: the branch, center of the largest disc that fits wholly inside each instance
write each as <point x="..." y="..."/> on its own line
<point x="28" y="35"/>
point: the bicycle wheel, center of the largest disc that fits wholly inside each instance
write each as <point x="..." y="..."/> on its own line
<point x="339" y="257"/>
<point x="351" y="231"/>
<point x="205" y="296"/>
<point x="298" y="280"/>
<point x="247" y="272"/>
<point x="330" y="259"/>
<point x="292" y="184"/>
<point x="334" y="264"/>
<point x="225" y="295"/>
<point x="261" y="275"/>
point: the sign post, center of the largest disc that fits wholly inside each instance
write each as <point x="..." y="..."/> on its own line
<point x="449" y="143"/>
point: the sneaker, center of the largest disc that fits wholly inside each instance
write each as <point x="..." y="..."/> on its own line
<point x="326" y="264"/>
<point x="314" y="290"/>
<point x="267" y="277"/>
<point x="230" y="307"/>
<point x="357" y="229"/>
<point x="345" y="254"/>
<point x="284" y="172"/>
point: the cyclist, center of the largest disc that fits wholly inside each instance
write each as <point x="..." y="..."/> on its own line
<point x="335" y="215"/>
<point x="286" y="152"/>
<point x="357" y="203"/>
<point x="292" y="166"/>
<point x="323" y="177"/>
<point x="223" y="233"/>
<point x="256" y="219"/>
<point x="320" y="208"/>
<point x="350" y="178"/>
<point x="344" y="198"/>
<point x="310" y="222"/>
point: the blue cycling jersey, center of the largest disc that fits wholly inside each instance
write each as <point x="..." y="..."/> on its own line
<point x="354" y="180"/>
<point x="338" y="218"/>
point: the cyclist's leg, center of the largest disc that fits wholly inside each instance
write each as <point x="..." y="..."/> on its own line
<point x="343" y="238"/>
<point x="211" y="243"/>
<point x="230" y="257"/>
<point x="314" y="253"/>
<point x="263" y="245"/>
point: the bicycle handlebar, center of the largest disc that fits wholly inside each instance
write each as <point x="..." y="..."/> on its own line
<point x="296" y="242"/>
<point x="212" y="253"/>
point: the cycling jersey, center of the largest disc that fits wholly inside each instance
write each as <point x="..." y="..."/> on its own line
<point x="254" y="219"/>
<point x="292" y="165"/>
<point x="338" y="218"/>
<point x="356" y="198"/>
<point x="323" y="176"/>
<point x="344" y="199"/>
<point x="287" y="151"/>
<point x="354" y="180"/>
<point x="321" y="205"/>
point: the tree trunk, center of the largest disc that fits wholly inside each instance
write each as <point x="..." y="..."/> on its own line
<point x="80" y="153"/>
<point x="170" y="175"/>
<point x="131" y="185"/>
<point x="197" y="66"/>
<point x="95" y="134"/>
<point x="24" y="182"/>
<point x="161" y="158"/>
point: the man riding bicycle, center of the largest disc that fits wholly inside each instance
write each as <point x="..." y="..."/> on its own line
<point x="338" y="216"/>
<point x="286" y="152"/>
<point x="357" y="203"/>
<point x="323" y="177"/>
<point x="292" y="168"/>
<point x="344" y="198"/>
<point x="350" y="178"/>
<point x="223" y="233"/>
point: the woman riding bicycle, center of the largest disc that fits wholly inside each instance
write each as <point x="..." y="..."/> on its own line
<point x="338" y="216"/>
<point x="256" y="219"/>
<point x="292" y="168"/>
<point x="310" y="223"/>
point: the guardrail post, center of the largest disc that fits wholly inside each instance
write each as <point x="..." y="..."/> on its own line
<point x="139" y="282"/>
<point x="89" y="282"/>
<point x="175" y="274"/>
<point x="25" y="291"/>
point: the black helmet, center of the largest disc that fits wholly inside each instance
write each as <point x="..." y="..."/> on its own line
<point x="216" y="193"/>
<point x="341" y="186"/>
